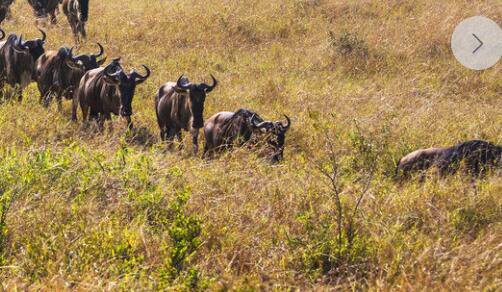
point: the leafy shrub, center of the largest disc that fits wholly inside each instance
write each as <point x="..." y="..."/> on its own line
<point x="184" y="232"/>
<point x="348" y="45"/>
<point x="353" y="54"/>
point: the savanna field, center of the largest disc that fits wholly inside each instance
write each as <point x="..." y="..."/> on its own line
<point x="364" y="82"/>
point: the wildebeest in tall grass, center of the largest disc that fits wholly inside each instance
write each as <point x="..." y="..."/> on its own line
<point x="180" y="106"/>
<point x="76" y="12"/>
<point x="226" y="129"/>
<point x="59" y="72"/>
<point x="5" y="9"/>
<point x="17" y="61"/>
<point x="44" y="8"/>
<point x="108" y="90"/>
<point x="476" y="156"/>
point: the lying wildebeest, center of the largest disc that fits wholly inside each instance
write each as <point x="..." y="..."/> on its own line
<point x="44" y="8"/>
<point x="108" y="90"/>
<point x="4" y="9"/>
<point x="59" y="72"/>
<point x="17" y="61"/>
<point x="226" y="129"/>
<point x="423" y="159"/>
<point x="476" y="155"/>
<point x="76" y="12"/>
<point x="180" y="106"/>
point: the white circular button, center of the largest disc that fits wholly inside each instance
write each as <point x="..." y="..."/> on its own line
<point x="477" y="43"/>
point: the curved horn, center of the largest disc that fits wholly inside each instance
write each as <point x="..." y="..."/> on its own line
<point x="259" y="125"/>
<point x="101" y="51"/>
<point x="3" y="34"/>
<point x="209" y="88"/>
<point x="44" y="36"/>
<point x="112" y="75"/>
<point x="141" y="77"/>
<point x="289" y="123"/>
<point x="70" y="54"/>
<point x="73" y="62"/>
<point x="182" y="86"/>
<point x="18" y="44"/>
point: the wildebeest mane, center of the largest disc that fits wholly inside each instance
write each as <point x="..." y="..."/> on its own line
<point x="239" y="125"/>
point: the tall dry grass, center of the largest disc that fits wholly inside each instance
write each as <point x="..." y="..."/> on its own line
<point x="364" y="82"/>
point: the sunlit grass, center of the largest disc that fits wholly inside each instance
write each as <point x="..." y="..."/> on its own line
<point x="107" y="210"/>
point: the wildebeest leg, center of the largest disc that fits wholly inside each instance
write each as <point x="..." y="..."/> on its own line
<point x="53" y="17"/>
<point x="59" y="98"/>
<point x="102" y="118"/>
<point x="179" y="136"/>
<point x="163" y="134"/>
<point x="129" y="123"/>
<point x="73" y="29"/>
<point x="83" y="33"/>
<point x="195" y="140"/>
<point x="74" y="106"/>
<point x="169" y="134"/>
<point x="18" y="90"/>
<point x="85" y="113"/>
<point x="208" y="152"/>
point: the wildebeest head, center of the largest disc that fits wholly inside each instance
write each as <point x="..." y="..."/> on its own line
<point x="35" y="47"/>
<point x="197" y="94"/>
<point x="86" y="62"/>
<point x="126" y="83"/>
<point x="276" y="132"/>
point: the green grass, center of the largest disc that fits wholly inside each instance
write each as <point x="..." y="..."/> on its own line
<point x="364" y="82"/>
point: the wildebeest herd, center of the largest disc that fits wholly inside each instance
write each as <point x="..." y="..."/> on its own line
<point x="101" y="90"/>
<point x="76" y="12"/>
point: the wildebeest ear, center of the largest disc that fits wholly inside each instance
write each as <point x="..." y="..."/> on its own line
<point x="102" y="61"/>
<point x="74" y="65"/>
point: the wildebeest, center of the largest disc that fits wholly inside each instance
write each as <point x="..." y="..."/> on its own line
<point x="423" y="159"/>
<point x="17" y="61"/>
<point x="476" y="155"/>
<point x="225" y="129"/>
<point x="76" y="12"/>
<point x="180" y="106"/>
<point x="59" y="72"/>
<point x="108" y="90"/>
<point x="4" y="9"/>
<point x="44" y="8"/>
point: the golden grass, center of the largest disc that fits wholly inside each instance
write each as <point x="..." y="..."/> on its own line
<point x="98" y="211"/>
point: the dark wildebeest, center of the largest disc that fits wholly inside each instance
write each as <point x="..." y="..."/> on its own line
<point x="44" y="8"/>
<point x="421" y="160"/>
<point x="4" y="9"/>
<point x="108" y="90"/>
<point x="17" y="61"/>
<point x="226" y="129"/>
<point x="59" y="72"/>
<point x="180" y="106"/>
<point x="76" y="12"/>
<point x="476" y="155"/>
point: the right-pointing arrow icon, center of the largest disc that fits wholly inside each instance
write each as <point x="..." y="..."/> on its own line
<point x="476" y="42"/>
<point x="480" y="43"/>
